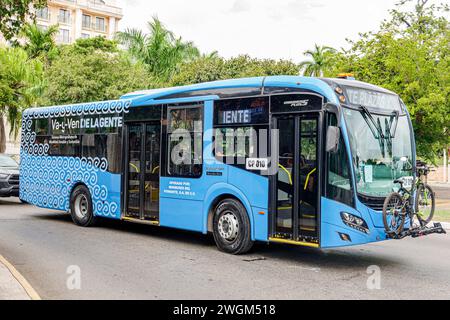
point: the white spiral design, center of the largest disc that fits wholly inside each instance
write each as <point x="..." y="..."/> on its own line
<point x="47" y="181"/>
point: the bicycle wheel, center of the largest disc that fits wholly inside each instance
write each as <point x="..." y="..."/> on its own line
<point x="394" y="213"/>
<point x="425" y="203"/>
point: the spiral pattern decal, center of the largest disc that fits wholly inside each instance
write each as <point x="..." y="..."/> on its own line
<point x="47" y="181"/>
<point x="71" y="110"/>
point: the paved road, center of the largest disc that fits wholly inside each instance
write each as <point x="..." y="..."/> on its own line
<point x="442" y="196"/>
<point x="124" y="260"/>
<point x="442" y="191"/>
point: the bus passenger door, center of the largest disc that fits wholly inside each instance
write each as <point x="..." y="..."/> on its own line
<point x="295" y="193"/>
<point x="143" y="158"/>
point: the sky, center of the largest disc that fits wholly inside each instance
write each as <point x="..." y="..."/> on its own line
<point x="277" y="29"/>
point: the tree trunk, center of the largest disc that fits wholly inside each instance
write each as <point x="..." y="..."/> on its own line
<point x="2" y="135"/>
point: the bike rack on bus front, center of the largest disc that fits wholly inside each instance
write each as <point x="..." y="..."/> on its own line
<point x="421" y="231"/>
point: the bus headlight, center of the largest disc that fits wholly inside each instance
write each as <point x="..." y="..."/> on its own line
<point x="354" y="222"/>
<point x="359" y="221"/>
<point x="348" y="217"/>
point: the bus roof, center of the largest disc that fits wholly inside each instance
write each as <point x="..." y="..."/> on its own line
<point x="227" y="88"/>
<point x="356" y="84"/>
<point x="249" y="87"/>
<point x="235" y="88"/>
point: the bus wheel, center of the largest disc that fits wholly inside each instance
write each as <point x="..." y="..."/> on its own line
<point x="231" y="227"/>
<point x="81" y="207"/>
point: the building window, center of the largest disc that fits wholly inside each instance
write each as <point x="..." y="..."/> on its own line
<point x="86" y="21"/>
<point x="100" y="24"/>
<point x="85" y="36"/>
<point x="185" y="141"/>
<point x="42" y="13"/>
<point x="64" y="16"/>
<point x="42" y="27"/>
<point x="63" y="36"/>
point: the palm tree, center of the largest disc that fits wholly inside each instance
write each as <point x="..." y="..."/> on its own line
<point x="212" y="55"/>
<point x="160" y="50"/>
<point x="39" y="41"/>
<point x="20" y="84"/>
<point x="318" y="62"/>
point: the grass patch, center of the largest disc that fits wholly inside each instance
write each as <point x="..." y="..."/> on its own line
<point x="442" y="215"/>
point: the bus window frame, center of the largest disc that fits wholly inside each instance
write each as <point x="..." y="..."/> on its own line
<point x="241" y="125"/>
<point x="199" y="104"/>
<point x="125" y="150"/>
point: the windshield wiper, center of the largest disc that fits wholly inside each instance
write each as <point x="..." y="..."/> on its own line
<point x="390" y="134"/>
<point x="375" y="127"/>
<point x="395" y="117"/>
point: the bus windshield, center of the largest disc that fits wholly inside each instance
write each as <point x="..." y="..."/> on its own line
<point x="381" y="150"/>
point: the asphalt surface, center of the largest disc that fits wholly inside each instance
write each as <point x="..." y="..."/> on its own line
<point x="442" y="191"/>
<point x="119" y="260"/>
<point x="442" y="195"/>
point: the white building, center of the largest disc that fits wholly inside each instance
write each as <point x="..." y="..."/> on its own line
<point x="76" y="19"/>
<point x="80" y="18"/>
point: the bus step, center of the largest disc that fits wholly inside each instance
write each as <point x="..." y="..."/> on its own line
<point x="136" y="220"/>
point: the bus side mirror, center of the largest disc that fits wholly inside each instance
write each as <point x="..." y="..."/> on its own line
<point x="334" y="109"/>
<point x="333" y="136"/>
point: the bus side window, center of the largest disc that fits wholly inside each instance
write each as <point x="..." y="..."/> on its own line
<point x="106" y="146"/>
<point x="185" y="141"/>
<point x="241" y="129"/>
<point x="339" y="184"/>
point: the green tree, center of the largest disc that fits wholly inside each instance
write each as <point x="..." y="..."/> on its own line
<point x="319" y="60"/>
<point x="160" y="50"/>
<point x="216" y="68"/>
<point x="87" y="71"/>
<point x="89" y="45"/>
<point x="20" y="87"/>
<point x="410" y="55"/>
<point x="39" y="42"/>
<point x="13" y="15"/>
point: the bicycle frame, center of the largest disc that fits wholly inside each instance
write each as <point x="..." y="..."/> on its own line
<point x="409" y="196"/>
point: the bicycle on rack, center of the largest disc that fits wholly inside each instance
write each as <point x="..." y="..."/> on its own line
<point x="417" y="205"/>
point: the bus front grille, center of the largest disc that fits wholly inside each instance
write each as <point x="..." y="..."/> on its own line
<point x="375" y="203"/>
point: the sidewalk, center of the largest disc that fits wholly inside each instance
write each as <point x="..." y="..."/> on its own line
<point x="13" y="285"/>
<point x="446" y="225"/>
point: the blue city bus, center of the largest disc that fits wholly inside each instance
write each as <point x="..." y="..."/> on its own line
<point x="331" y="150"/>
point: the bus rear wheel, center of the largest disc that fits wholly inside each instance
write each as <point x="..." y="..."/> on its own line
<point x="81" y="207"/>
<point x="231" y="227"/>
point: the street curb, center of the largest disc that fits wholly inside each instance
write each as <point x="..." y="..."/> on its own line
<point x="20" y="279"/>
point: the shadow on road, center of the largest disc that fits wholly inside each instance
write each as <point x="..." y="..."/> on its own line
<point x="342" y="258"/>
<point x="10" y="201"/>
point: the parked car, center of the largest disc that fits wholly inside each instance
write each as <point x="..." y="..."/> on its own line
<point x="9" y="176"/>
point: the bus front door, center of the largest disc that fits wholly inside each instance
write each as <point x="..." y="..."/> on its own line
<point x="143" y="158"/>
<point x="295" y="197"/>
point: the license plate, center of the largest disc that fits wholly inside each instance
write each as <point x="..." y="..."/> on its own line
<point x="256" y="163"/>
<point x="407" y="182"/>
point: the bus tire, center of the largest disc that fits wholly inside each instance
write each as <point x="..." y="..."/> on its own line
<point x="81" y="207"/>
<point x="231" y="227"/>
